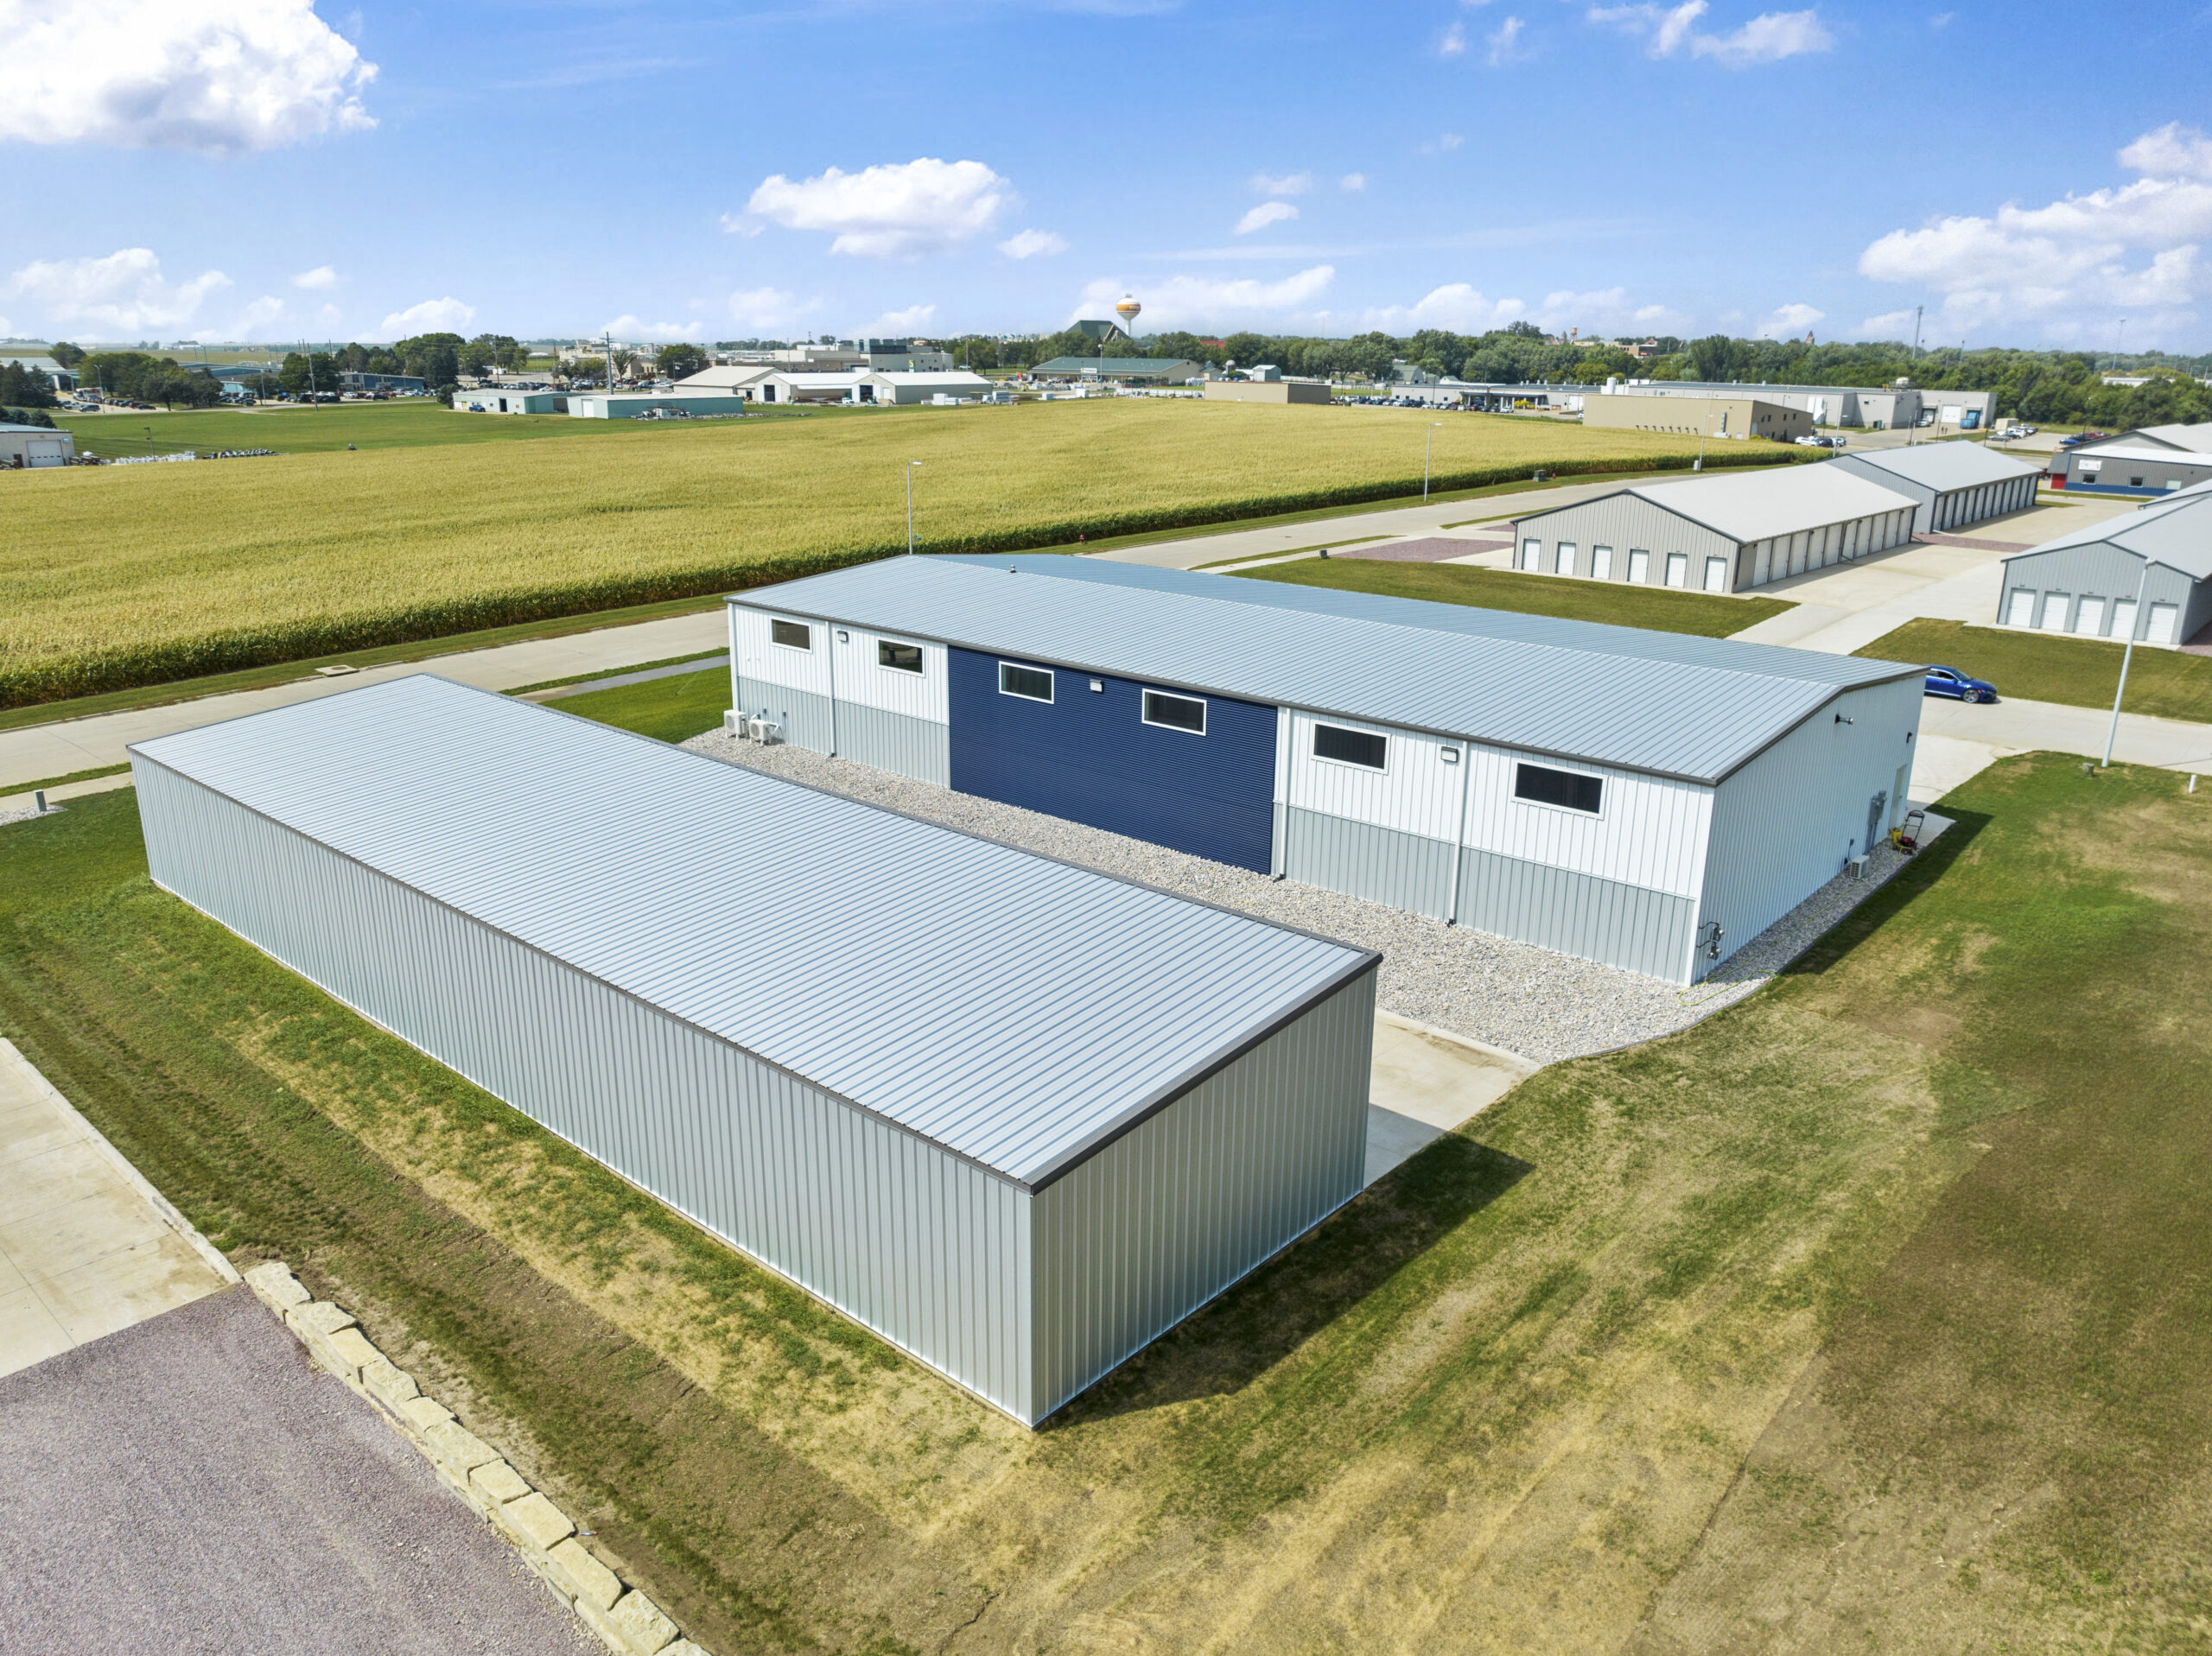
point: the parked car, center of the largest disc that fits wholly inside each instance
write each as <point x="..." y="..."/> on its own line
<point x="1812" y="442"/>
<point x="1963" y="687"/>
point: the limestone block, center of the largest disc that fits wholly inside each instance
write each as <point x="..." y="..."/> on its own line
<point x="684" y="1647"/>
<point x="275" y="1287"/>
<point x="351" y="1350"/>
<point x="322" y="1317"/>
<point x="389" y="1385"/>
<point x="420" y="1413"/>
<point x="641" y="1627"/>
<point x="460" y="1450"/>
<point x="538" y="1523"/>
<point x="499" y="1482"/>
<point x="579" y="1574"/>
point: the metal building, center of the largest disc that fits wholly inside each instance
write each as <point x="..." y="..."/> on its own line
<point x="1748" y="415"/>
<point x="2145" y="575"/>
<point x="23" y="447"/>
<point x="1646" y="799"/>
<point x="1953" y="484"/>
<point x="2143" y="468"/>
<point x="1017" y="1117"/>
<point x="1721" y="534"/>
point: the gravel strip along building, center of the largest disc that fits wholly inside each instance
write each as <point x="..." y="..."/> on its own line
<point x="2146" y="575"/>
<point x="1717" y="534"/>
<point x="1017" y="1117"/>
<point x="1645" y="800"/>
<point x="1952" y="484"/>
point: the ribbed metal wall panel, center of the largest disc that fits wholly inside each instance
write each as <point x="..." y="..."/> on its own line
<point x="1628" y="926"/>
<point x="1177" y="1210"/>
<point x="1417" y="791"/>
<point x="1407" y="871"/>
<point x="863" y="679"/>
<point x="2096" y="569"/>
<point x="808" y="720"/>
<point x="1626" y="523"/>
<point x="1649" y="832"/>
<point x="1782" y="824"/>
<point x="927" y="1250"/>
<point x="921" y="748"/>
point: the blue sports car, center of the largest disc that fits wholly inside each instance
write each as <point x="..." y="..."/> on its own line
<point x="1948" y="681"/>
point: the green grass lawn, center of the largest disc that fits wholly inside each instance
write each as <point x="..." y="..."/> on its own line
<point x="1869" y="1314"/>
<point x="668" y="709"/>
<point x="2039" y="667"/>
<point x="1613" y="602"/>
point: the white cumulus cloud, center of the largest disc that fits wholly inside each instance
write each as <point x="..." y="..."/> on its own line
<point x="322" y="275"/>
<point x="1354" y="181"/>
<point x="1200" y="302"/>
<point x="2136" y="247"/>
<point x="1504" y="42"/>
<point x="1792" y="320"/>
<point x="769" y="310"/>
<point x="1453" y="43"/>
<point x="222" y="77"/>
<point x="1267" y="212"/>
<point x="1457" y="306"/>
<point x="626" y="327"/>
<point x="121" y="294"/>
<point x="446" y="315"/>
<point x="914" y="317"/>
<point x="1282" y="183"/>
<point x="896" y="211"/>
<point x="1669" y="31"/>
<point x="1033" y="243"/>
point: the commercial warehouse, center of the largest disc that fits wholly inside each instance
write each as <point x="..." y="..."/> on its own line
<point x="1951" y="484"/>
<point x="1018" y="1118"/>
<point x="1645" y="799"/>
<point x="1721" y="534"/>
<point x="1702" y="417"/>
<point x="2138" y="468"/>
<point x="2146" y="575"/>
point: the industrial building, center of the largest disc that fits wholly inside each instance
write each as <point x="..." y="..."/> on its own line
<point x="1646" y="799"/>
<point x="27" y="447"/>
<point x="2144" y="467"/>
<point x="364" y="384"/>
<point x="652" y="405"/>
<point x="1017" y="1117"/>
<point x="1266" y="391"/>
<point x="2146" y="575"/>
<point x="1953" y="484"/>
<point x="1124" y="370"/>
<point x="1715" y="416"/>
<point x="1724" y="533"/>
<point x="2196" y="439"/>
<point x="488" y="400"/>
<point x="1895" y="406"/>
<point x="903" y="390"/>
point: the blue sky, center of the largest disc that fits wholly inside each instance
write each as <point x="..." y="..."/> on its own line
<point x="271" y="169"/>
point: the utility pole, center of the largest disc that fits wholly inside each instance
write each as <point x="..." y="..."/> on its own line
<point x="1428" y="450"/>
<point x="2117" y="344"/>
<point x="1917" y="309"/>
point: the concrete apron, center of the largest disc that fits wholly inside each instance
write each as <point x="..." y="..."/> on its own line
<point x="1426" y="1081"/>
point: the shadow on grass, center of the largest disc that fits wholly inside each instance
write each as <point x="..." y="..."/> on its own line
<point x="1342" y="1268"/>
<point x="1926" y="867"/>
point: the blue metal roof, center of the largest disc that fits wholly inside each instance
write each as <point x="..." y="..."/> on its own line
<point x="1664" y="703"/>
<point x="1019" y="1011"/>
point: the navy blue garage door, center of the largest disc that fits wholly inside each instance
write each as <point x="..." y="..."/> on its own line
<point x="1091" y="756"/>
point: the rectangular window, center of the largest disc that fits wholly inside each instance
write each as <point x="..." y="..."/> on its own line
<point x="908" y="658"/>
<point x="1175" y="712"/>
<point x="1031" y="683"/>
<point x="1566" y="564"/>
<point x="1639" y="566"/>
<point x="793" y="634"/>
<point x="1568" y="789"/>
<point x="1678" y="568"/>
<point x="1359" y="747"/>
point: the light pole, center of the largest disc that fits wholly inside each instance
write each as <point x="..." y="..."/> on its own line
<point x="911" y="464"/>
<point x="1428" y="453"/>
<point x="2135" y="620"/>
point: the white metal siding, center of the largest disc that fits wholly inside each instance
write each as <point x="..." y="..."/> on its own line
<point x="1651" y="832"/>
<point x="1418" y="793"/>
<point x="756" y="657"/>
<point x="863" y="679"/>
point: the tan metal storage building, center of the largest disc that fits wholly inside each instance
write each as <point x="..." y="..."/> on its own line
<point x="1266" y="391"/>
<point x="1699" y="416"/>
<point x="1722" y="534"/>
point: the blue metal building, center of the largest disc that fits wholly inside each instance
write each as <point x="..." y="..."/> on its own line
<point x="1650" y="800"/>
<point x="1017" y="1117"/>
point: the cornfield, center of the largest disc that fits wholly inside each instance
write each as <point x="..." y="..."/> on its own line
<point x="116" y="577"/>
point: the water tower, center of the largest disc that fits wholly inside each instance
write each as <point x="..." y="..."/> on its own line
<point x="1128" y="310"/>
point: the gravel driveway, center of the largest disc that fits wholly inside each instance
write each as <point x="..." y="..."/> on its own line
<point x="191" y="1486"/>
<point x="1527" y="999"/>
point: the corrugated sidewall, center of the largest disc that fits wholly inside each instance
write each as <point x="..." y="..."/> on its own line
<point x="927" y="1250"/>
<point x="2099" y="571"/>
<point x="1172" y="1212"/>
<point x="1089" y="756"/>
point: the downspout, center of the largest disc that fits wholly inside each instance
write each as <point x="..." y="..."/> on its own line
<point x="1459" y="835"/>
<point x="832" y="640"/>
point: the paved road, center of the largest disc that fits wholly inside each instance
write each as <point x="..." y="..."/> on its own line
<point x="191" y="1486"/>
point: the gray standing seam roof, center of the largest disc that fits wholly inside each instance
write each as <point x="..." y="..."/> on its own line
<point x="2176" y="532"/>
<point x="1662" y="703"/>
<point x="1019" y="1011"/>
<point x="1943" y="466"/>
<point x="1757" y="505"/>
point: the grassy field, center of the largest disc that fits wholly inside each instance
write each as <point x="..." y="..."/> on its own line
<point x="2037" y="667"/>
<point x="668" y="709"/>
<point x="1613" y="602"/>
<point x="1870" y="1314"/>
<point x="111" y="578"/>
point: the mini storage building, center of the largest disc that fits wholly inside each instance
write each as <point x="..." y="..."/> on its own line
<point x="1017" y="1117"/>
<point x="2086" y="581"/>
<point x="1646" y="799"/>
<point x="1952" y="484"/>
<point x="1721" y="534"/>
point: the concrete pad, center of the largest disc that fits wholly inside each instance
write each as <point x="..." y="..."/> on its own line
<point x="126" y="1286"/>
<point x="1792" y="625"/>
<point x="1424" y="1083"/>
<point x="54" y="1240"/>
<point x="60" y="1176"/>
<point x="1942" y="763"/>
<point x="29" y="1332"/>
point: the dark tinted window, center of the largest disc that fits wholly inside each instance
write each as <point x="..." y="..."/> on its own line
<point x="797" y="634"/>
<point x="1033" y="682"/>
<point x="908" y="658"/>
<point x="1567" y="788"/>
<point x="1177" y="711"/>
<point x="1350" y="746"/>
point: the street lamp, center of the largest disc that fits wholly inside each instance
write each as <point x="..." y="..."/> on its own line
<point x="911" y="464"/>
<point x="2112" y="731"/>
<point x="1427" y="451"/>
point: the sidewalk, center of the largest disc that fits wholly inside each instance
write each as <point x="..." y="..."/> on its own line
<point x="84" y="743"/>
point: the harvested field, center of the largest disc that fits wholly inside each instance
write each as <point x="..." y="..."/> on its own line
<point x="112" y="577"/>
